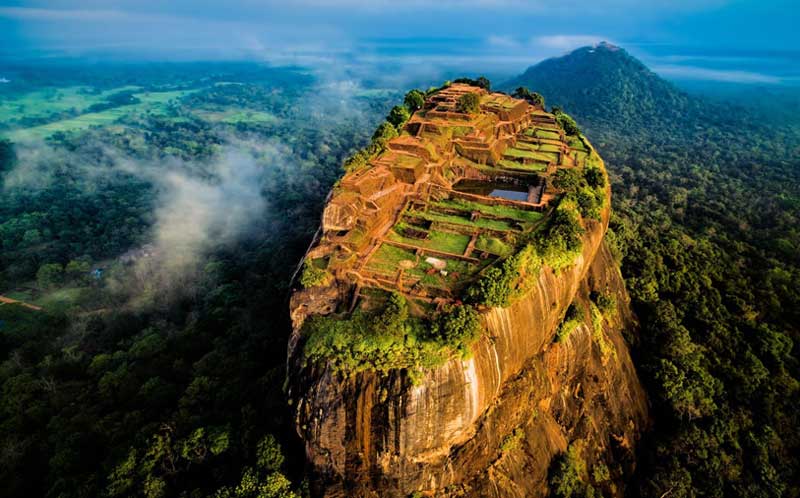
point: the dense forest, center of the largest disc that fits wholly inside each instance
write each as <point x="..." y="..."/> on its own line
<point x="141" y="376"/>
<point x="707" y="204"/>
<point x="148" y="375"/>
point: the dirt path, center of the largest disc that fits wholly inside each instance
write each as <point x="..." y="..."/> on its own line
<point x="8" y="300"/>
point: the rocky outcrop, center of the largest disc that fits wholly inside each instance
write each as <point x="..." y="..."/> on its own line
<point x="451" y="433"/>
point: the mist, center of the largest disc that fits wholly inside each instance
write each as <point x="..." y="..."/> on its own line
<point x="200" y="206"/>
<point x="198" y="213"/>
<point x="394" y="41"/>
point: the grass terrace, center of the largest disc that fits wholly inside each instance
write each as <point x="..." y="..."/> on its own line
<point x="552" y="135"/>
<point x="576" y="143"/>
<point x="524" y="153"/>
<point x="456" y="275"/>
<point x="500" y="211"/>
<point x="543" y="132"/>
<point x="388" y="257"/>
<point x="407" y="161"/>
<point x="549" y="148"/>
<point x="498" y="102"/>
<point x="459" y="273"/>
<point x="518" y="166"/>
<point x="462" y="220"/>
<point x="494" y="245"/>
<point x="449" y="242"/>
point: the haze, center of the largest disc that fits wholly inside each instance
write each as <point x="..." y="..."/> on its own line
<point x="713" y="40"/>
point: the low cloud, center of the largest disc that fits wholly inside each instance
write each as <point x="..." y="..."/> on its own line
<point x="723" y="75"/>
<point x="568" y="42"/>
<point x="201" y="206"/>
<point x="503" y="41"/>
<point x="197" y="213"/>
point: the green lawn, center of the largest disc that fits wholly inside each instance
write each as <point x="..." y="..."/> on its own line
<point x="549" y="148"/>
<point x="452" y="243"/>
<point x="493" y="245"/>
<point x="528" y="151"/>
<point x="516" y="152"/>
<point x="547" y="134"/>
<point x="576" y="143"/>
<point x="550" y="156"/>
<point x="458" y="273"/>
<point x="537" y="166"/>
<point x="387" y="258"/>
<point x="462" y="220"/>
<point x="499" y="210"/>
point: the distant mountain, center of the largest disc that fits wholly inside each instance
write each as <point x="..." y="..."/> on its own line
<point x="604" y="87"/>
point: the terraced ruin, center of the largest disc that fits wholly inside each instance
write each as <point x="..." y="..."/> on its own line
<point x="458" y="296"/>
<point x="451" y="196"/>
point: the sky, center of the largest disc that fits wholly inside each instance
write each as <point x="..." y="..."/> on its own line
<point x="743" y="41"/>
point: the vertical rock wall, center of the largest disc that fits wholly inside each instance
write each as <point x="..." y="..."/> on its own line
<point x="382" y="436"/>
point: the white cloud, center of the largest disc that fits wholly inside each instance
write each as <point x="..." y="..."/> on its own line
<point x="568" y="42"/>
<point x="502" y="41"/>
<point x="80" y="15"/>
<point x="702" y="73"/>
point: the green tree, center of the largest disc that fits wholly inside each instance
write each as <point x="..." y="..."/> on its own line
<point x="568" y="124"/>
<point x="594" y="177"/>
<point x="398" y="116"/>
<point x="313" y="276"/>
<point x="569" y="477"/>
<point x="458" y="325"/>
<point x="568" y="180"/>
<point x="31" y="237"/>
<point x="123" y="476"/>
<point x="385" y="132"/>
<point x="532" y="97"/>
<point x="394" y="314"/>
<point x="6" y="155"/>
<point x="50" y="275"/>
<point x="356" y="161"/>
<point x="77" y="270"/>
<point x="469" y="103"/>
<point x="522" y="93"/>
<point x="269" y="456"/>
<point x="414" y="100"/>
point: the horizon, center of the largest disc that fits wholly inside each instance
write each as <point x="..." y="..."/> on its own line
<point x="743" y="45"/>
<point x="464" y="248"/>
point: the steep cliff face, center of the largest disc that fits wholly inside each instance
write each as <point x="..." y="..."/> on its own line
<point x="375" y="435"/>
<point x="490" y="424"/>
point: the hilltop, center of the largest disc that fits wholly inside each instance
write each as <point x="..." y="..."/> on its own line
<point x="705" y="215"/>
<point x="457" y="294"/>
<point x="434" y="210"/>
<point x="607" y="88"/>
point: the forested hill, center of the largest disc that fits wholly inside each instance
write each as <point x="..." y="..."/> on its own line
<point x="707" y="205"/>
<point x="607" y="88"/>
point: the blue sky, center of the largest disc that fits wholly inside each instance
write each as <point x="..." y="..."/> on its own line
<point x="744" y="41"/>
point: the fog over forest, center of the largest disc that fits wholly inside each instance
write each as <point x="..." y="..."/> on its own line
<point x="163" y="173"/>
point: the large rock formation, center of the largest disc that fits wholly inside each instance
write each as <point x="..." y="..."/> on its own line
<point x="489" y="425"/>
